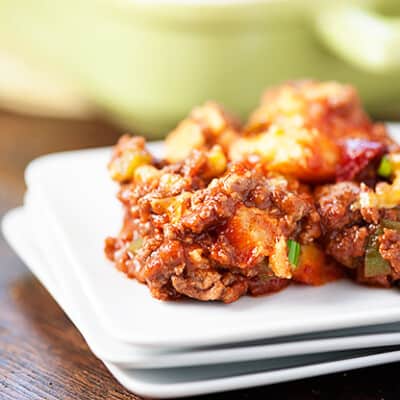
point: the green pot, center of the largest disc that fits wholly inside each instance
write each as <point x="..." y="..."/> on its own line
<point x="147" y="63"/>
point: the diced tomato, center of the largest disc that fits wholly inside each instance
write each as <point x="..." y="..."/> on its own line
<point x="314" y="268"/>
<point x="356" y="155"/>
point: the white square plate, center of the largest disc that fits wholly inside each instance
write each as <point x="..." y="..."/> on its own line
<point x="182" y="382"/>
<point x="179" y="382"/>
<point x="80" y="199"/>
<point x="74" y="302"/>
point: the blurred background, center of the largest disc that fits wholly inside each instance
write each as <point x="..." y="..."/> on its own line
<point x="79" y="73"/>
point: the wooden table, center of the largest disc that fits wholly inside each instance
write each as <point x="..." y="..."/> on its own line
<point x="43" y="356"/>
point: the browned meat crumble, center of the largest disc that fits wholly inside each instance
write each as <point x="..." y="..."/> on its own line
<point x="308" y="191"/>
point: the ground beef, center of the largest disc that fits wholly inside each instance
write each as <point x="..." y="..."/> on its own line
<point x="334" y="205"/>
<point x="348" y="245"/>
<point x="347" y="225"/>
<point x="216" y="218"/>
<point x="389" y="247"/>
<point x="212" y="239"/>
<point x="211" y="285"/>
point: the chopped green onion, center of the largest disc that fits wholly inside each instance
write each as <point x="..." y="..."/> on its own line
<point x="389" y="224"/>
<point x="385" y="167"/>
<point x="293" y="252"/>
<point x="374" y="263"/>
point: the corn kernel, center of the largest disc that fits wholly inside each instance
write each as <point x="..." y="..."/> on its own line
<point x="216" y="162"/>
<point x="122" y="168"/>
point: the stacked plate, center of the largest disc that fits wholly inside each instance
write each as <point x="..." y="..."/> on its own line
<point x="172" y="349"/>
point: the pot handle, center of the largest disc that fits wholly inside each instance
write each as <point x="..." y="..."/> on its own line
<point x="362" y="37"/>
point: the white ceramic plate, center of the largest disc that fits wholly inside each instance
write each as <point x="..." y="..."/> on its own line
<point x="182" y="382"/>
<point x="79" y="196"/>
<point x="105" y="347"/>
<point x="179" y="382"/>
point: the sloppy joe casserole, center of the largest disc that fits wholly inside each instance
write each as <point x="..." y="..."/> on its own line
<point x="307" y="191"/>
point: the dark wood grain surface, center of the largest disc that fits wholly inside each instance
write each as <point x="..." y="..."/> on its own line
<point x="43" y="356"/>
